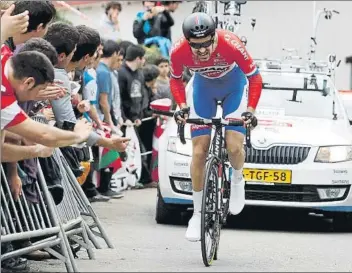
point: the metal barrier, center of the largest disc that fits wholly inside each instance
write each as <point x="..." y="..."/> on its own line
<point x="22" y="220"/>
<point x="52" y="226"/>
<point x="79" y="200"/>
<point x="76" y="205"/>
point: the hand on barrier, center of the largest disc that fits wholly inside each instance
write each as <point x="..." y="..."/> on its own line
<point x="15" y="186"/>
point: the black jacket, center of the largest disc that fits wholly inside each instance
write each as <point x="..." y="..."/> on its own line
<point x="132" y="92"/>
<point x="160" y="26"/>
<point x="166" y="22"/>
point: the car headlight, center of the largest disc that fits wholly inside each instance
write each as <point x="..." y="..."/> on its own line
<point x="175" y="146"/>
<point x="334" y="154"/>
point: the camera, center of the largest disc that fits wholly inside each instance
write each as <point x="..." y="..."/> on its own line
<point x="68" y="125"/>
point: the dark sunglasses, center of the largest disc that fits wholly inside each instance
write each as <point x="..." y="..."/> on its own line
<point x="201" y="45"/>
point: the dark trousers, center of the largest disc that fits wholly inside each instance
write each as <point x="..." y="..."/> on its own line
<point x="145" y="134"/>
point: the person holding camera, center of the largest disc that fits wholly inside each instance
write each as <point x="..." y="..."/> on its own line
<point x="154" y="20"/>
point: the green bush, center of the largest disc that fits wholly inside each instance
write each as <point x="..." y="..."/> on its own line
<point x="152" y="54"/>
<point x="60" y="18"/>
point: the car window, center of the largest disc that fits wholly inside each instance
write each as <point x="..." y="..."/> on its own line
<point x="294" y="100"/>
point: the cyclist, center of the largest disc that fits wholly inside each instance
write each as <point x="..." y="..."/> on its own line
<point x="222" y="66"/>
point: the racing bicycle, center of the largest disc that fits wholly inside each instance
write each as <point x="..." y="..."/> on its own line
<point x="216" y="197"/>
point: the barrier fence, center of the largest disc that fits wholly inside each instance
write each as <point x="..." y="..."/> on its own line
<point x="56" y="227"/>
<point x="50" y="227"/>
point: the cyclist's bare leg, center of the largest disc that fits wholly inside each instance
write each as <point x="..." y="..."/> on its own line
<point x="200" y="146"/>
<point x="200" y="151"/>
<point x="234" y="142"/>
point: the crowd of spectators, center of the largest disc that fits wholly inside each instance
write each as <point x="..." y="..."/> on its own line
<point x="89" y="85"/>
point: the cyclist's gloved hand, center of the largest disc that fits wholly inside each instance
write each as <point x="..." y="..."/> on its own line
<point x="181" y="115"/>
<point x="250" y="118"/>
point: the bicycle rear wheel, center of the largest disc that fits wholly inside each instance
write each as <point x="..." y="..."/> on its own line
<point x="210" y="218"/>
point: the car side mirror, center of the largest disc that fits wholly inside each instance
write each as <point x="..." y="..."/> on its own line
<point x="162" y="105"/>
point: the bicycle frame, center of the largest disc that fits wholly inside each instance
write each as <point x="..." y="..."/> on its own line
<point x="218" y="150"/>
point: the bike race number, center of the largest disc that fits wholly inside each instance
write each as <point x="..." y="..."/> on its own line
<point x="268" y="176"/>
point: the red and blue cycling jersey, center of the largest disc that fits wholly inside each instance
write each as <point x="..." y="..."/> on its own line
<point x="229" y="54"/>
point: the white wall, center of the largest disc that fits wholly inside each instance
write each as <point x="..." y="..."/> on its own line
<point x="279" y="23"/>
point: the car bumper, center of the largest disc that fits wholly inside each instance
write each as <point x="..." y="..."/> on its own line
<point x="306" y="191"/>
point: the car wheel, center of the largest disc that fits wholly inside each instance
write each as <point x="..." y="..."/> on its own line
<point x="165" y="214"/>
<point x="342" y="222"/>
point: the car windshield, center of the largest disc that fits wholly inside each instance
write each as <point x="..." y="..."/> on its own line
<point x="287" y="95"/>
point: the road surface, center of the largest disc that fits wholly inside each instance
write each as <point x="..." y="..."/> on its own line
<point x="267" y="242"/>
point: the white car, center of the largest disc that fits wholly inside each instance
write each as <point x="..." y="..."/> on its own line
<point x="301" y="155"/>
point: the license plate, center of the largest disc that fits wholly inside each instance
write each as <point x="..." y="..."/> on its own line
<point x="268" y="176"/>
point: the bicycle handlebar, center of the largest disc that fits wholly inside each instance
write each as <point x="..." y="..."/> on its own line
<point x="214" y="121"/>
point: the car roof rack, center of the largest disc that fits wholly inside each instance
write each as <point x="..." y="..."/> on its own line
<point x="301" y="66"/>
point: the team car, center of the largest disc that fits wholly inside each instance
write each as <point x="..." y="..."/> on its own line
<point x="301" y="154"/>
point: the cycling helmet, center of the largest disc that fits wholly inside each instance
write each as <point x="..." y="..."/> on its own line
<point x="198" y="25"/>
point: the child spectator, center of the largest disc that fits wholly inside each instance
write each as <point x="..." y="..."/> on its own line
<point x="163" y="80"/>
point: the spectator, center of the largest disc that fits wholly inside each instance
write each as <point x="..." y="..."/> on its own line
<point x="77" y="46"/>
<point x="146" y="130"/>
<point x="106" y="82"/>
<point x="108" y="62"/>
<point x="90" y="87"/>
<point x="131" y="84"/>
<point x="29" y="165"/>
<point x="41" y="13"/>
<point x="153" y="26"/>
<point x="33" y="73"/>
<point x="124" y="45"/>
<point x="166" y="19"/>
<point x="116" y="111"/>
<point x="163" y="81"/>
<point x="151" y="74"/>
<point x="145" y="25"/>
<point x="110" y="24"/>
<point x="43" y="46"/>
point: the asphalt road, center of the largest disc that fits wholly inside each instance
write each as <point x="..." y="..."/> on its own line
<point x="266" y="241"/>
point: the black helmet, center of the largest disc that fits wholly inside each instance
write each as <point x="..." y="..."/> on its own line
<point x="198" y="25"/>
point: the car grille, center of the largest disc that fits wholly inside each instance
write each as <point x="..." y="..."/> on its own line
<point x="277" y="155"/>
<point x="286" y="193"/>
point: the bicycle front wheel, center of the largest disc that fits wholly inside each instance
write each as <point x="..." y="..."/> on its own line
<point x="210" y="218"/>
